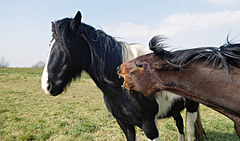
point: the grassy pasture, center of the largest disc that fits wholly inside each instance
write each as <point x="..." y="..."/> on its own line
<point x="26" y="113"/>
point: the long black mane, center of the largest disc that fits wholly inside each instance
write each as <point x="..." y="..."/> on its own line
<point x="106" y="51"/>
<point x="219" y="57"/>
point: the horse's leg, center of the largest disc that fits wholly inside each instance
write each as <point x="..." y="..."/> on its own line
<point x="150" y="129"/>
<point x="194" y="124"/>
<point x="179" y="123"/>
<point x="128" y="130"/>
<point x="237" y="129"/>
<point x="191" y="119"/>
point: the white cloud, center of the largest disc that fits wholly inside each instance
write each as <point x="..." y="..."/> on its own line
<point x="183" y="29"/>
<point x="184" y="22"/>
<point x="222" y="1"/>
<point x="127" y="30"/>
<point x="130" y="32"/>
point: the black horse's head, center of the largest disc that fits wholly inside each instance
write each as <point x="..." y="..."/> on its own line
<point x="68" y="55"/>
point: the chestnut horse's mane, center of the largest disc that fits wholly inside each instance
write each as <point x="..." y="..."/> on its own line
<point x="219" y="57"/>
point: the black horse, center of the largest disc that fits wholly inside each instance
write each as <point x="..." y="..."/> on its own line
<point x="76" y="47"/>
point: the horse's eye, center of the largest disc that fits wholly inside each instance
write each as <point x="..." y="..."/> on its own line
<point x="138" y="64"/>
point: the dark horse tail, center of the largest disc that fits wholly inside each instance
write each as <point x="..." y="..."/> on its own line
<point x="199" y="131"/>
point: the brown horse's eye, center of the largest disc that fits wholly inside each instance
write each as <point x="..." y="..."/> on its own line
<point x="138" y="64"/>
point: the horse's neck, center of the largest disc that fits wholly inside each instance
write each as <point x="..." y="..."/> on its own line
<point x="106" y="81"/>
<point x="208" y="86"/>
<point x="128" y="52"/>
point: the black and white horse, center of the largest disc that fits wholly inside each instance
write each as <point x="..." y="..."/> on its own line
<point x="76" y="47"/>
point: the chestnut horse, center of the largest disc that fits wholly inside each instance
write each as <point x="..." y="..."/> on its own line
<point x="207" y="75"/>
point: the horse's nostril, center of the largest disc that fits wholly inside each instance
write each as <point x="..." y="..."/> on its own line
<point x="49" y="88"/>
<point x="119" y="69"/>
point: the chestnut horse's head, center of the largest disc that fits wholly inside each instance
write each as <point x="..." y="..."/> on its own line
<point x="142" y="74"/>
<point x="139" y="74"/>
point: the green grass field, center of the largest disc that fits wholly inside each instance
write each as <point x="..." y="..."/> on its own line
<point x="26" y="113"/>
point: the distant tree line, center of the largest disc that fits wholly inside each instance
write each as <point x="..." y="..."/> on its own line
<point x="3" y="63"/>
<point x="39" y="64"/>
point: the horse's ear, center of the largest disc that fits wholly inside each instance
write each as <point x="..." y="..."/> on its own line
<point x="53" y="28"/>
<point x="53" y="25"/>
<point x="76" y="21"/>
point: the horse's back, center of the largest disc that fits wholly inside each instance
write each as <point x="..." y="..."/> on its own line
<point x="131" y="51"/>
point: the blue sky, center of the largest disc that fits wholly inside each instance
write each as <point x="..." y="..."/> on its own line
<point x="25" y="26"/>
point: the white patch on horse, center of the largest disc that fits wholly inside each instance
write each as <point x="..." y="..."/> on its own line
<point x="165" y="100"/>
<point x="131" y="51"/>
<point x="191" y="119"/>
<point x="156" y="139"/>
<point x="44" y="80"/>
<point x="181" y="137"/>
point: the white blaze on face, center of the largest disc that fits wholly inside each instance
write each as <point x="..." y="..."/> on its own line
<point x="44" y="79"/>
